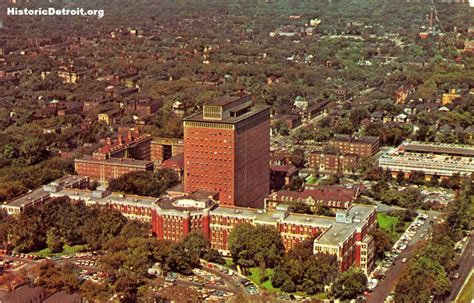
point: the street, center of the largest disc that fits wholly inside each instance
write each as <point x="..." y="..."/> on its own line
<point x="383" y="289"/>
<point x="466" y="263"/>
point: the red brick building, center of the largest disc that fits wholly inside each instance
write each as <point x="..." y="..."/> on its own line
<point x="353" y="246"/>
<point x="175" y="163"/>
<point x="333" y="163"/>
<point x="226" y="150"/>
<point x="144" y="106"/>
<point x="129" y="143"/>
<point x="165" y="148"/>
<point x="365" y="146"/>
<point x="335" y="197"/>
<point x="104" y="170"/>
<point x="172" y="218"/>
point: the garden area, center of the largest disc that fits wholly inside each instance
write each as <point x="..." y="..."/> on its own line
<point x="67" y="251"/>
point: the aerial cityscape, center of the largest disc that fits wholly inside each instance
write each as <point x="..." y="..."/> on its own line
<point x="236" y="151"/>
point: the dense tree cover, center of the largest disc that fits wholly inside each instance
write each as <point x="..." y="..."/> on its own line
<point x="127" y="248"/>
<point x="16" y="179"/>
<point x="145" y="183"/>
<point x="55" y="277"/>
<point x="64" y="222"/>
<point x="320" y="64"/>
<point x="301" y="270"/>
<point x="349" y="284"/>
<point x="256" y="245"/>
<point x="428" y="272"/>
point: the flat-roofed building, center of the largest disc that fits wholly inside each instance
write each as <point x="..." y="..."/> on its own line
<point x="112" y="168"/>
<point x="335" y="197"/>
<point x="349" y="239"/>
<point x="165" y="148"/>
<point x="41" y="195"/>
<point x="444" y="160"/>
<point x="365" y="146"/>
<point x="227" y="150"/>
<point x="173" y="217"/>
<point x="333" y="163"/>
<point x="24" y="294"/>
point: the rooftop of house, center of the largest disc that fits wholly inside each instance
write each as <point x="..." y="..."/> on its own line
<point x="174" y="162"/>
<point x="23" y="294"/>
<point x="63" y="297"/>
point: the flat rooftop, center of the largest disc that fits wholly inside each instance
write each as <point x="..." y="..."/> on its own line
<point x="118" y="161"/>
<point x="339" y="232"/>
<point x="362" y="139"/>
<point x="439" y="148"/>
<point x="256" y="109"/>
<point x="28" y="198"/>
<point x="115" y="197"/>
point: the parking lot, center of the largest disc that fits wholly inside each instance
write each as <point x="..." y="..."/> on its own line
<point x="385" y="276"/>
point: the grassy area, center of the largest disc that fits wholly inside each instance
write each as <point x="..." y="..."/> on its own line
<point x="229" y="262"/>
<point x="387" y="222"/>
<point x="467" y="292"/>
<point x="67" y="250"/>
<point x="311" y="180"/>
<point x="255" y="278"/>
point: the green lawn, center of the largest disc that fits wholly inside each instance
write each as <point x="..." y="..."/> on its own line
<point x="68" y="250"/>
<point x="255" y="278"/>
<point x="311" y="180"/>
<point x="387" y="222"/>
<point x="467" y="292"/>
<point x="229" y="262"/>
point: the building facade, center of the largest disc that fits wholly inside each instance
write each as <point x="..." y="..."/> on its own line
<point x="129" y="143"/>
<point x="365" y="146"/>
<point x="226" y="150"/>
<point x="335" y="197"/>
<point x="443" y="160"/>
<point x="112" y="168"/>
<point x="172" y="218"/>
<point x="333" y="163"/>
<point x="165" y="148"/>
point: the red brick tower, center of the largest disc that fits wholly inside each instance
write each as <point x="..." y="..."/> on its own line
<point x="226" y="150"/>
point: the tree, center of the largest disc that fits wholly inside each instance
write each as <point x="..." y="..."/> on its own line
<point x="53" y="240"/>
<point x="322" y="210"/>
<point x="196" y="243"/>
<point x="55" y="278"/>
<point x="288" y="286"/>
<point x="300" y="208"/>
<point x="349" y="284"/>
<point x="28" y="231"/>
<point x="297" y="158"/>
<point x="382" y="241"/>
<point x="181" y="260"/>
<point x="253" y="245"/>
<point x="296" y="183"/>
<point x="425" y="277"/>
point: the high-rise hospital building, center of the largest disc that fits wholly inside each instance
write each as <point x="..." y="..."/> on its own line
<point x="226" y="150"/>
